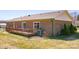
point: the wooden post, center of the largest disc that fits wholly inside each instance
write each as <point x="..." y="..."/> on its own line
<point x="53" y="26"/>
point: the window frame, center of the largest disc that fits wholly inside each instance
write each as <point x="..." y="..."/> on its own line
<point x="22" y="25"/>
<point x="34" y="25"/>
<point x="13" y="25"/>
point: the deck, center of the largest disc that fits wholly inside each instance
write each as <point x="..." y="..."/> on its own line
<point x="23" y="33"/>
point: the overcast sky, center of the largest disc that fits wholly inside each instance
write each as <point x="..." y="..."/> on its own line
<point x="9" y="14"/>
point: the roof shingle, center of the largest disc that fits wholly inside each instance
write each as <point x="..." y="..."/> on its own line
<point x="58" y="15"/>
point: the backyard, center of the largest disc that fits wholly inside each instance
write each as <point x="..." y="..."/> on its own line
<point x="13" y="41"/>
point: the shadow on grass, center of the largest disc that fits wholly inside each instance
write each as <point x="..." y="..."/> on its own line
<point x="77" y="35"/>
<point x="20" y="34"/>
<point x="60" y="37"/>
<point x="74" y="36"/>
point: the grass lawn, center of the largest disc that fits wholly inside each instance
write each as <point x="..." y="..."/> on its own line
<point x="8" y="40"/>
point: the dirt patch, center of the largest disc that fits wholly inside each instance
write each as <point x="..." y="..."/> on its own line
<point x="7" y="46"/>
<point x="36" y="38"/>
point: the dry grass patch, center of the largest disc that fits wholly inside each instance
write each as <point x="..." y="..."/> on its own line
<point x="8" y="40"/>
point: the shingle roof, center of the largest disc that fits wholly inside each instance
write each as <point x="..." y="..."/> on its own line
<point x="58" y="15"/>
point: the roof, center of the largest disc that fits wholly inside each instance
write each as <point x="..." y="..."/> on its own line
<point x="3" y="21"/>
<point x="58" y="15"/>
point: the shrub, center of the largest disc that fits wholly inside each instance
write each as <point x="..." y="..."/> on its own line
<point x="65" y="30"/>
<point x="68" y="29"/>
<point x="73" y="29"/>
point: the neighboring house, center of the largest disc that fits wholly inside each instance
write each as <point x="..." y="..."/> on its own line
<point x="2" y="25"/>
<point x="75" y="22"/>
<point x="46" y="24"/>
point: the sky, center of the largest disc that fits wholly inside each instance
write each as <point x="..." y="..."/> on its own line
<point x="9" y="14"/>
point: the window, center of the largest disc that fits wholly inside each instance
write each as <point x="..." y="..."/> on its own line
<point x="24" y="25"/>
<point x="18" y="25"/>
<point x="36" y="25"/>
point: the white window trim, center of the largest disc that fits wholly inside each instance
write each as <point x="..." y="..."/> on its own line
<point x="34" y="25"/>
<point x="13" y="25"/>
<point x="22" y="25"/>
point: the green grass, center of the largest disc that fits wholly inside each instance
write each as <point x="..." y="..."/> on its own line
<point x="60" y="37"/>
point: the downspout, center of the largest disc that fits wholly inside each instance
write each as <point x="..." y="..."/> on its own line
<point x="53" y="26"/>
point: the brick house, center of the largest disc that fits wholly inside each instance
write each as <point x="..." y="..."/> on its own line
<point x="51" y="23"/>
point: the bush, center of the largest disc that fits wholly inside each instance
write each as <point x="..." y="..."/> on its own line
<point x="68" y="29"/>
<point x="65" y="30"/>
<point x="73" y="29"/>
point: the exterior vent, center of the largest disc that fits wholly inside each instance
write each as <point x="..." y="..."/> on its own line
<point x="29" y="15"/>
